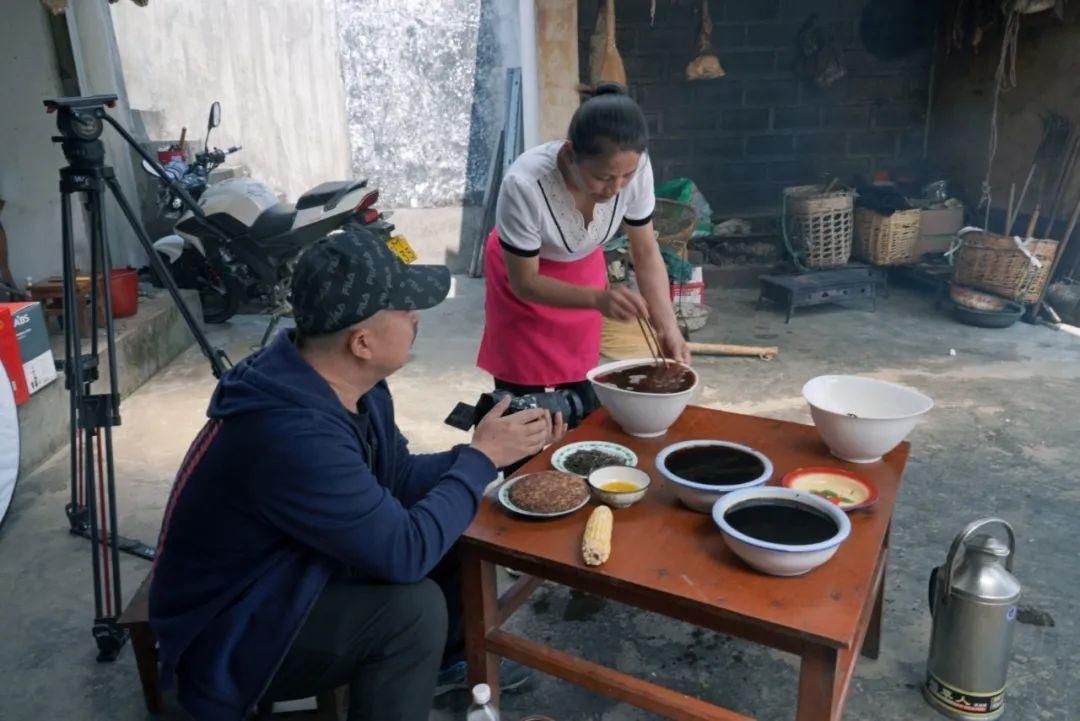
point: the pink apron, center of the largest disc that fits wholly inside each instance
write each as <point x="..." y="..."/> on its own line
<point x="530" y="344"/>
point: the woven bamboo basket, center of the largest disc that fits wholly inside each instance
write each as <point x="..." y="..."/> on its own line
<point x="886" y="240"/>
<point x="976" y="299"/>
<point x="996" y="264"/>
<point x="820" y="225"/>
<point x="674" y="223"/>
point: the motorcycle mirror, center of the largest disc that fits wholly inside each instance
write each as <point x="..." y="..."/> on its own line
<point x="149" y="168"/>
<point x="213" y="122"/>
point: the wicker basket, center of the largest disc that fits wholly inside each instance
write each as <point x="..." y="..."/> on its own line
<point x="820" y="225"/>
<point x="886" y="240"/>
<point x="674" y="223"/>
<point x="996" y="264"/>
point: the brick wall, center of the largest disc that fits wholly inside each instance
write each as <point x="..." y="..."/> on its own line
<point x="744" y="137"/>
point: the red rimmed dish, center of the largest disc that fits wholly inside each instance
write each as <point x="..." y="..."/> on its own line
<point x="847" y="490"/>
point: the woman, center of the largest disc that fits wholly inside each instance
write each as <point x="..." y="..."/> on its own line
<point x="546" y="276"/>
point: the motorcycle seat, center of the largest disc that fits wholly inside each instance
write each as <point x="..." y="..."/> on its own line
<point x="329" y="194"/>
<point x="275" y="220"/>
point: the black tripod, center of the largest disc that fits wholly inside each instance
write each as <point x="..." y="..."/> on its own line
<point x="92" y="511"/>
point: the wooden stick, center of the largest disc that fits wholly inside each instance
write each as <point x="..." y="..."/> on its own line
<point x="1063" y="174"/>
<point x="1058" y="255"/>
<point x="1020" y="203"/>
<point x="1008" y="214"/>
<point x="1068" y="230"/>
<point x="1034" y="220"/>
<point x="723" y="349"/>
<point x="1063" y="185"/>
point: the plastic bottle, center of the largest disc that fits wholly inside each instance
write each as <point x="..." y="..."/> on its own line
<point x="481" y="708"/>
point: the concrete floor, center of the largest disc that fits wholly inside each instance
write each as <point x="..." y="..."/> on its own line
<point x="1000" y="441"/>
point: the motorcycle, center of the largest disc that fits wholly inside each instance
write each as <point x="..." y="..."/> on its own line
<point x="244" y="242"/>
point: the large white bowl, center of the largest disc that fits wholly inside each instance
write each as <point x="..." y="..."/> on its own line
<point x="862" y="419"/>
<point x="645" y="415"/>
<point x="778" y="559"/>
<point x="700" y="497"/>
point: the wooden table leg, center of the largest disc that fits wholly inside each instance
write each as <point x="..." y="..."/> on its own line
<point x="872" y="645"/>
<point x="819" y="696"/>
<point x="481" y="610"/>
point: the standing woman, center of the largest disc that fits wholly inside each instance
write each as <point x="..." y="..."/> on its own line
<point x="544" y="263"/>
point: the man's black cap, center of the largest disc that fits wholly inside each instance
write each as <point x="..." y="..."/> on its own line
<point x="350" y="276"/>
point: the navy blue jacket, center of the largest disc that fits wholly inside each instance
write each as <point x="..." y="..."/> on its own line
<point x="274" y="496"/>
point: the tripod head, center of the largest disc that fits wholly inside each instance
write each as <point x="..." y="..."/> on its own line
<point x="80" y="121"/>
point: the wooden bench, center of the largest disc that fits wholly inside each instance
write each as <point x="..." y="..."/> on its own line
<point x="50" y="293"/>
<point x="136" y="619"/>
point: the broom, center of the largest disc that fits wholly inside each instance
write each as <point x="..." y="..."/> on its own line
<point x="623" y="340"/>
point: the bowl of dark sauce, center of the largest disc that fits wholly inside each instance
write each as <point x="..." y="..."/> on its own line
<point x="781" y="531"/>
<point x="643" y="397"/>
<point x="704" y="470"/>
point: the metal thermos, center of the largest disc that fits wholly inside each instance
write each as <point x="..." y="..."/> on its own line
<point x="973" y="601"/>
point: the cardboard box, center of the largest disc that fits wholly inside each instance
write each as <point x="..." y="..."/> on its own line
<point x="36" y="368"/>
<point x="692" y="291"/>
<point x="11" y="359"/>
<point x="941" y="221"/>
<point x="937" y="229"/>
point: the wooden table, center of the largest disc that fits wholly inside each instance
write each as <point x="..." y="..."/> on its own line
<point x="673" y="561"/>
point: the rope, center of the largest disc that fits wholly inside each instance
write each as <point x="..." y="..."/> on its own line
<point x="1004" y="80"/>
<point x="787" y="241"/>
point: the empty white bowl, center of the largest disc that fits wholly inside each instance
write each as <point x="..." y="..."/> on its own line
<point x="645" y="415"/>
<point x="619" y="499"/>
<point x="862" y="419"/>
<point x="700" y="497"/>
<point x="779" y="559"/>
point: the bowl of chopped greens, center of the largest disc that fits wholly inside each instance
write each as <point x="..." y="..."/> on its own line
<point x="584" y="457"/>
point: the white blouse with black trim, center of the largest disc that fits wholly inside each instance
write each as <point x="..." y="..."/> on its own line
<point x="536" y="215"/>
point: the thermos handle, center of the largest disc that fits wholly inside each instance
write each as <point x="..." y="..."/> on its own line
<point x="930" y="590"/>
<point x="966" y="534"/>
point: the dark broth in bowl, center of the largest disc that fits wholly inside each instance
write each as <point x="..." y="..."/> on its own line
<point x="651" y="378"/>
<point x="781" y="521"/>
<point x="715" y="465"/>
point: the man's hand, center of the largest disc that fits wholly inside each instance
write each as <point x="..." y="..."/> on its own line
<point x="507" y="439"/>
<point x="620" y="303"/>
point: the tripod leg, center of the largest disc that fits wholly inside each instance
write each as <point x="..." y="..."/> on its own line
<point x="70" y="379"/>
<point x="274" y="319"/>
<point x="214" y="355"/>
<point x="113" y="410"/>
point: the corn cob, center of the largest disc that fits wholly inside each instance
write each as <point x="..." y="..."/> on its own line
<point x="596" y="546"/>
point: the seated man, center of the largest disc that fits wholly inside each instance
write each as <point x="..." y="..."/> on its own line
<point x="297" y="542"/>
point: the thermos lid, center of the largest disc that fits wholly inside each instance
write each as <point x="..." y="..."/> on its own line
<point x="981" y="575"/>
<point x="988" y="544"/>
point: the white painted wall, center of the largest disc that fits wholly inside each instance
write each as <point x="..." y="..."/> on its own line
<point x="273" y="64"/>
<point x="29" y="161"/>
<point x="97" y="66"/>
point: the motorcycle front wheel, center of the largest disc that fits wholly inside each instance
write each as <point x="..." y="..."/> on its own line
<point x="220" y="293"/>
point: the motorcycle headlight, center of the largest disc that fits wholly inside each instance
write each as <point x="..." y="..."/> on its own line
<point x="176" y="204"/>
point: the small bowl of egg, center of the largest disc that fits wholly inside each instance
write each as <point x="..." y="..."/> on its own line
<point x="619" y="486"/>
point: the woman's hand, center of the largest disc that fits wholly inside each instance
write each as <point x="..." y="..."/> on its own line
<point x="674" y="345"/>
<point x="620" y="303"/>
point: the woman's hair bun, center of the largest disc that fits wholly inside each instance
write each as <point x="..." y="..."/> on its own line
<point x="608" y="88"/>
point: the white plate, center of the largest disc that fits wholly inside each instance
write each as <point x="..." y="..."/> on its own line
<point x="504" y="499"/>
<point x="558" y="461"/>
<point x="9" y="443"/>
